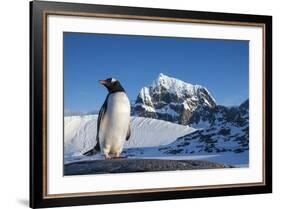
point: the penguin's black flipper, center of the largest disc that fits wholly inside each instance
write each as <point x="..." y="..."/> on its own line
<point x="128" y="133"/>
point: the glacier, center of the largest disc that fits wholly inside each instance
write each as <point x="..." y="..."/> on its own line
<point x="80" y="134"/>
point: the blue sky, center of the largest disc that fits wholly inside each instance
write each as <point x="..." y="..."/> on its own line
<point x="222" y="66"/>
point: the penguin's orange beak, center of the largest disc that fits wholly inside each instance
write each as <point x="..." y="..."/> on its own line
<point x="103" y="82"/>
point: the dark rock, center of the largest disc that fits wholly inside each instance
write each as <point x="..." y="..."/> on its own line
<point x="136" y="165"/>
<point x="174" y="151"/>
<point x="224" y="131"/>
<point x="239" y="150"/>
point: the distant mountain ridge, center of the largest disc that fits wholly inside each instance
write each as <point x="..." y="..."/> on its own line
<point x="207" y="117"/>
<point x="79" y="113"/>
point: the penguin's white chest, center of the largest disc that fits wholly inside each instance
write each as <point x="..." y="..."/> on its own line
<point x="115" y="123"/>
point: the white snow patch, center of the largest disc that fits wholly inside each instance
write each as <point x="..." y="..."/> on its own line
<point x="167" y="110"/>
<point x="145" y="95"/>
<point x="174" y="85"/>
<point x="147" y="108"/>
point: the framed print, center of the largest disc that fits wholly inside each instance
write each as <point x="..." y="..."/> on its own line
<point x="139" y="104"/>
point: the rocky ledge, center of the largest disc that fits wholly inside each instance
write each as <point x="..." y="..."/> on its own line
<point x="136" y="165"/>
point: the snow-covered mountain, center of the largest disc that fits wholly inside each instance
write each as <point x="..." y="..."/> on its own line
<point x="222" y="128"/>
<point x="222" y="135"/>
<point x="205" y="117"/>
<point x="227" y="130"/>
<point x="172" y="100"/>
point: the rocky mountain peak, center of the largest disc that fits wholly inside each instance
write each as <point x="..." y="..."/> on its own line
<point x="171" y="99"/>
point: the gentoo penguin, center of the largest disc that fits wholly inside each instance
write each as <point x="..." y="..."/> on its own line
<point x="113" y="125"/>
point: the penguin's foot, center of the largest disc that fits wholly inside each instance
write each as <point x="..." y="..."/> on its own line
<point x="107" y="157"/>
<point x="117" y="156"/>
<point x="120" y="157"/>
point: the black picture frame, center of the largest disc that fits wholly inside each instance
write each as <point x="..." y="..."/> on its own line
<point x="38" y="87"/>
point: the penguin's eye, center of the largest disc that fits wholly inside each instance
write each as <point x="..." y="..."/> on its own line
<point x="113" y="80"/>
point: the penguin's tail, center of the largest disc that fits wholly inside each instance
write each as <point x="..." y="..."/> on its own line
<point x="92" y="151"/>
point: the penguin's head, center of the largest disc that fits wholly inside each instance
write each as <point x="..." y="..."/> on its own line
<point x="112" y="85"/>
